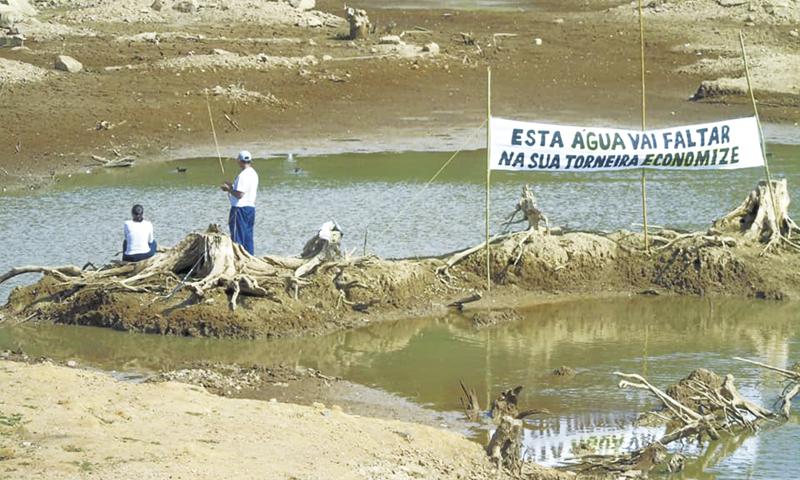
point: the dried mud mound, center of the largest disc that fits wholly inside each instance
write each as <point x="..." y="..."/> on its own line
<point x="208" y="286"/>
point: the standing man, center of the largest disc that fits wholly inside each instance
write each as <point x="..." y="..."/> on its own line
<point x="242" y="194"/>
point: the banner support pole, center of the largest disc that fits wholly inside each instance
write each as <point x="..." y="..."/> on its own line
<point x="644" y="128"/>
<point x="758" y="122"/>
<point x="488" y="172"/>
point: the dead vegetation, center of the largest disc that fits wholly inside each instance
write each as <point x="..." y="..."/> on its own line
<point x="505" y="444"/>
<point x="700" y="408"/>
<point x="791" y="386"/>
<point x="763" y="216"/>
<point x="192" y="288"/>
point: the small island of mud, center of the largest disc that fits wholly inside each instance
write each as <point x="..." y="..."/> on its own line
<point x="208" y="286"/>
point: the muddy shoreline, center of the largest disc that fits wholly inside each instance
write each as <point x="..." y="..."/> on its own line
<point x="282" y="383"/>
<point x="584" y="72"/>
<point x="120" y="430"/>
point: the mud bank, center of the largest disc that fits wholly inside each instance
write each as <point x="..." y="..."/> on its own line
<point x="117" y="430"/>
<point x="208" y="286"/>
<point x="290" y="82"/>
<point x="281" y="382"/>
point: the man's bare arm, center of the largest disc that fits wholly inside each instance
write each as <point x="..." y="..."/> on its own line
<point x="227" y="187"/>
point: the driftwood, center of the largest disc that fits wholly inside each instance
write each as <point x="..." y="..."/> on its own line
<point x="702" y="405"/>
<point x="469" y="402"/>
<point x="118" y="163"/>
<point x="790" y="390"/>
<point x="459" y="304"/>
<point x="759" y="219"/>
<point x="65" y="273"/>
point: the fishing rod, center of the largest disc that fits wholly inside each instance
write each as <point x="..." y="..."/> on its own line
<point x="214" y="133"/>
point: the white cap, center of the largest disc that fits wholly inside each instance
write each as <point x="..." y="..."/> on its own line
<point x="244" y="156"/>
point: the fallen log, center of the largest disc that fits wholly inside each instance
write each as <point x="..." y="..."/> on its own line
<point x="118" y="163"/>
<point x="459" y="304"/>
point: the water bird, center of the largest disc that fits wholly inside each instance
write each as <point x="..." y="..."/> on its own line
<point x="181" y="169"/>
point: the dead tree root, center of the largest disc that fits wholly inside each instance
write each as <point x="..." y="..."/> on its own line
<point x="790" y="390"/>
<point x="702" y="405"/>
<point x="763" y="217"/>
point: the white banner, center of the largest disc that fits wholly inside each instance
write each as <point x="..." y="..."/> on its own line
<point x="540" y="147"/>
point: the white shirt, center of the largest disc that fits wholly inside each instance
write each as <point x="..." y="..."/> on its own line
<point x="326" y="230"/>
<point x="138" y="236"/>
<point x="247" y="183"/>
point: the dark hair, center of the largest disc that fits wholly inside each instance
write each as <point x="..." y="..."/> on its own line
<point x="138" y="213"/>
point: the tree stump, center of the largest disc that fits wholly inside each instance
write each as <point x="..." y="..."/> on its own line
<point x="528" y="206"/>
<point x="505" y="446"/>
<point x="200" y="263"/>
<point x="359" y="23"/>
<point x="323" y="247"/>
<point x="758" y="218"/>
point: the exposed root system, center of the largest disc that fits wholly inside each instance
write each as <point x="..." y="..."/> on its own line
<point x="763" y="216"/>
<point x="702" y="406"/>
<point x="208" y="286"/>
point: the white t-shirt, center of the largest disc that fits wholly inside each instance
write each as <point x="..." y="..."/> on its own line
<point x="247" y="183"/>
<point x="139" y="235"/>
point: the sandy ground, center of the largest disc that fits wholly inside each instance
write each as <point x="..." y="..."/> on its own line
<point x="290" y="83"/>
<point x="63" y="423"/>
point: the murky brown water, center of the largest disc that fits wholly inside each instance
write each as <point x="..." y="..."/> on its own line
<point x="422" y="360"/>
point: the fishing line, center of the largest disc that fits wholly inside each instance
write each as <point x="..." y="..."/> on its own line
<point x="416" y="197"/>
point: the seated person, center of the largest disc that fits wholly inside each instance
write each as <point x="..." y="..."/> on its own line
<point x="139" y="243"/>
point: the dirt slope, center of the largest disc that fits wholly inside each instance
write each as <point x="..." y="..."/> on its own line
<point x="141" y="89"/>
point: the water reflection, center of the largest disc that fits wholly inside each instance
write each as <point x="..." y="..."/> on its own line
<point x="423" y="359"/>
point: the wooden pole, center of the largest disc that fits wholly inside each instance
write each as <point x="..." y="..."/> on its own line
<point x="760" y="129"/>
<point x="488" y="171"/>
<point x="214" y="133"/>
<point x="644" y="127"/>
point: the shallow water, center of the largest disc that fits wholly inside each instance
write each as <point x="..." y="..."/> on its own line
<point x="423" y="359"/>
<point x="383" y="195"/>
